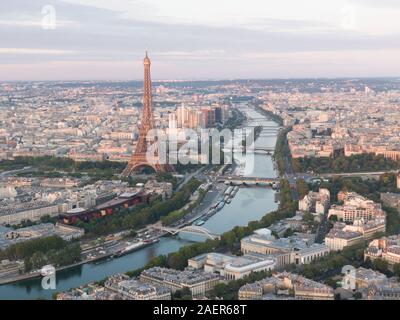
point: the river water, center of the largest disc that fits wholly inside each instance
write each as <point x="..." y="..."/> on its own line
<point x="249" y="204"/>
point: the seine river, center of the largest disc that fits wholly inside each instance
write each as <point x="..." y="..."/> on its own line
<point x="249" y="204"/>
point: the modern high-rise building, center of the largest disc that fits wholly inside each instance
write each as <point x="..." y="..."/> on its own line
<point x="218" y="115"/>
<point x="172" y="121"/>
<point x="193" y="117"/>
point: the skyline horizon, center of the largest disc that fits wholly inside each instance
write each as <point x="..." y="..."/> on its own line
<point x="207" y="79"/>
<point x="189" y="79"/>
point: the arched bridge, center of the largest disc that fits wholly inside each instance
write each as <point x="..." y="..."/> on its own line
<point x="196" y="230"/>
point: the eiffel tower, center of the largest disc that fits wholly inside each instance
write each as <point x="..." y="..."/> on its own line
<point x="139" y="159"/>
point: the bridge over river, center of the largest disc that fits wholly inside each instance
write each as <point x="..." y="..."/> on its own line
<point x="196" y="230"/>
<point x="255" y="181"/>
<point x="251" y="149"/>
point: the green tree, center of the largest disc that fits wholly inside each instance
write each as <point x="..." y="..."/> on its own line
<point x="396" y="270"/>
<point x="357" y="295"/>
<point x="380" y="265"/>
<point x="302" y="188"/>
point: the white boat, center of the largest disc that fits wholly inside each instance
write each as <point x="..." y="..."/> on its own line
<point x="200" y="223"/>
<point x="235" y="190"/>
<point x="220" y="205"/>
<point x="132" y="247"/>
<point x="228" y="191"/>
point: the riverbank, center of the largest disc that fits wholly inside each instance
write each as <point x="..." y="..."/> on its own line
<point x="269" y="114"/>
<point x="35" y="275"/>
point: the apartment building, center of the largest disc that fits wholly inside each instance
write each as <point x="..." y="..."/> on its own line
<point x="282" y="285"/>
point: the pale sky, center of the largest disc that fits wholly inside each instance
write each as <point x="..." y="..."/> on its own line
<point x="198" y="39"/>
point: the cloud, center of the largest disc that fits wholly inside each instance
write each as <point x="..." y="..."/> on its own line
<point x="376" y="4"/>
<point x="32" y="22"/>
<point x="196" y="54"/>
<point x="223" y="38"/>
<point x="306" y="16"/>
<point x="30" y="51"/>
<point x="251" y="65"/>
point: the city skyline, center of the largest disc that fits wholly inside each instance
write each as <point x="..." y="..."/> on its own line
<point x="216" y="151"/>
<point x="318" y="184"/>
<point x="99" y="40"/>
